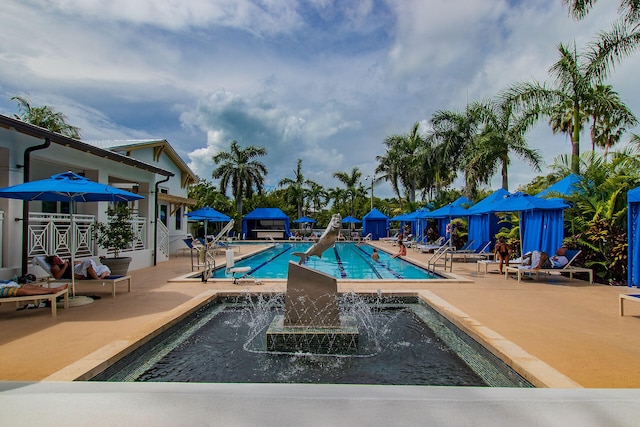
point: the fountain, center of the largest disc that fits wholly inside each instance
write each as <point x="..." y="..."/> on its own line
<point x="312" y="322"/>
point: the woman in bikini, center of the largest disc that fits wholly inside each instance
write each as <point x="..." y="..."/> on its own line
<point x="502" y="252"/>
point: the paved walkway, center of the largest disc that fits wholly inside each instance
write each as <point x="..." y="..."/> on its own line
<point x="570" y="325"/>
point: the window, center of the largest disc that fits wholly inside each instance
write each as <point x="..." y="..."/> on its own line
<point x="163" y="214"/>
<point x="179" y="219"/>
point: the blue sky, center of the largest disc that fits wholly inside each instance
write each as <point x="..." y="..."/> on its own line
<point x="324" y="81"/>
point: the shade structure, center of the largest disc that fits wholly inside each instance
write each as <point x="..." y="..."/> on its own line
<point x="483" y="226"/>
<point x="565" y="187"/>
<point x="445" y="215"/>
<point x="462" y="202"/>
<point x="541" y="220"/>
<point x="375" y="223"/>
<point x="350" y="220"/>
<point x="68" y="187"/>
<point x="633" y="226"/>
<point x="305" y="219"/>
<point x="208" y="214"/>
<point x="265" y="218"/>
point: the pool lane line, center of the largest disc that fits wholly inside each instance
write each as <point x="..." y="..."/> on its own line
<point x="388" y="268"/>
<point x="366" y="257"/>
<point x="253" y="270"/>
<point x="343" y="273"/>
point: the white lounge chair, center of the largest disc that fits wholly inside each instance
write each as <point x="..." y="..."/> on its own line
<point x="571" y="255"/>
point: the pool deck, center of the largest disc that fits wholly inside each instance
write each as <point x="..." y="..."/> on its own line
<point x="569" y="325"/>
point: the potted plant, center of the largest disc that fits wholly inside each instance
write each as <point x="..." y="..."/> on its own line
<point x="115" y="235"/>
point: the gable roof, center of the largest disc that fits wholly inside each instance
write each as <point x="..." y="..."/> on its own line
<point x="266" y="213"/>
<point x="56" y="138"/>
<point x="159" y="147"/>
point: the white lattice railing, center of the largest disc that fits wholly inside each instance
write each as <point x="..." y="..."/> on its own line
<point x="163" y="238"/>
<point x="49" y="234"/>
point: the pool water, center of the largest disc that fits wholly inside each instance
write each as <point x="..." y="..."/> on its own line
<point x="399" y="343"/>
<point x="345" y="260"/>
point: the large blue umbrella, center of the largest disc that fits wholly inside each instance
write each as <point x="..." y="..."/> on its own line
<point x="67" y="187"/>
<point x="208" y="214"/>
<point x="450" y="211"/>
<point x="305" y="219"/>
<point x="350" y="219"/>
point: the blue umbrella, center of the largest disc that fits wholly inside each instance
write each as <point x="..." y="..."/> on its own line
<point x="350" y="219"/>
<point x="68" y="187"/>
<point x="209" y="214"/>
<point x="305" y="219"/>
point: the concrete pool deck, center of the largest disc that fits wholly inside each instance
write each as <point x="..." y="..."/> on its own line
<point x="568" y="325"/>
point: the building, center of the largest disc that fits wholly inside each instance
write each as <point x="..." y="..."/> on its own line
<point x="150" y="168"/>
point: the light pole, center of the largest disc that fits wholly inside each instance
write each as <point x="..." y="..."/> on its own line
<point x="372" y="179"/>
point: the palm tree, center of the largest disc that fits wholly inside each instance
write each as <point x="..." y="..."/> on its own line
<point x="45" y="117"/>
<point x="317" y="195"/>
<point x="451" y="135"/>
<point x="610" y="118"/>
<point x="502" y="134"/>
<point x="295" y="191"/>
<point x="568" y="101"/>
<point x="351" y="181"/>
<point x="403" y="160"/>
<point x="238" y="168"/>
<point x="612" y="46"/>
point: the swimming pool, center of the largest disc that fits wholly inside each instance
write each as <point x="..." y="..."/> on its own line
<point x="345" y="260"/>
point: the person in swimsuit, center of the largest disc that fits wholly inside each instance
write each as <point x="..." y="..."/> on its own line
<point x="502" y="252"/>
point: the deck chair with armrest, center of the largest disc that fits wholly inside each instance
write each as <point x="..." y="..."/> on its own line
<point x="571" y="255"/>
<point x="483" y="252"/>
<point x="437" y="244"/>
<point x="41" y="262"/>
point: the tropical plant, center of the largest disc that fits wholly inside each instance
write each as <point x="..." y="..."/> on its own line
<point x="45" y="117"/>
<point x="296" y="188"/>
<point x="239" y="169"/>
<point x="569" y="100"/>
<point x="352" y="182"/>
<point x="502" y="134"/>
<point x="117" y="233"/>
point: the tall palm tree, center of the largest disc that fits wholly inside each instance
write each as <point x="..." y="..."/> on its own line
<point x="317" y="195"/>
<point x="621" y="41"/>
<point x="405" y="152"/>
<point x="451" y="135"/>
<point x="295" y="191"/>
<point x="238" y="168"/>
<point x="351" y="181"/>
<point x="568" y="101"/>
<point x="45" y="117"/>
<point x="502" y="134"/>
<point x="610" y="118"/>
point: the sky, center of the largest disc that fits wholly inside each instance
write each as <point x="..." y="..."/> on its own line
<point x="318" y="80"/>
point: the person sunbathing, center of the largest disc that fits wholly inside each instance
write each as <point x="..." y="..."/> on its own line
<point x="85" y="269"/>
<point x="12" y="289"/>
<point x="537" y="260"/>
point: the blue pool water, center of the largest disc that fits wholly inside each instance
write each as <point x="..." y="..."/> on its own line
<point x="346" y="261"/>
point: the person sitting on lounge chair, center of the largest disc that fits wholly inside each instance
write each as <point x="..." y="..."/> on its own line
<point x="85" y="269"/>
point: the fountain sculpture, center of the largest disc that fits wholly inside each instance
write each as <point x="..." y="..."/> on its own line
<point x="312" y="322"/>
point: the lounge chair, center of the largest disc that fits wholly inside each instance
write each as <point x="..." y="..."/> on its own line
<point x="52" y="298"/>
<point x="437" y="244"/>
<point x="483" y="252"/>
<point x="111" y="280"/>
<point x="571" y="255"/>
<point x="465" y="248"/>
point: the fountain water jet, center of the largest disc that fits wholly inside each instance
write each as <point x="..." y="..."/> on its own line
<point x="311" y="322"/>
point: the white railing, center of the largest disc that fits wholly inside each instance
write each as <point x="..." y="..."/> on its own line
<point x="163" y="238"/>
<point x="49" y="234"/>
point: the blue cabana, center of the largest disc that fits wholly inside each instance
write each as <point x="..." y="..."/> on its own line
<point x="263" y="223"/>
<point x="446" y="213"/>
<point x="462" y="202"/>
<point x="541" y="220"/>
<point x="633" y="224"/>
<point x="565" y="187"/>
<point x="376" y="223"/>
<point x="483" y="226"/>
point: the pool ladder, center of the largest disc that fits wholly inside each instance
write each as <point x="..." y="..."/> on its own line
<point x="443" y="253"/>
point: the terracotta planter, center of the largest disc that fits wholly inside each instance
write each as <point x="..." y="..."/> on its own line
<point x="118" y="266"/>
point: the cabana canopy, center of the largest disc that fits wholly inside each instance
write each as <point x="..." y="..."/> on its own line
<point x="484" y="226"/>
<point x="208" y="213"/>
<point x="541" y="220"/>
<point x="263" y="223"/>
<point x="633" y="224"/>
<point x="566" y="186"/>
<point x="305" y="219"/>
<point x="376" y="223"/>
